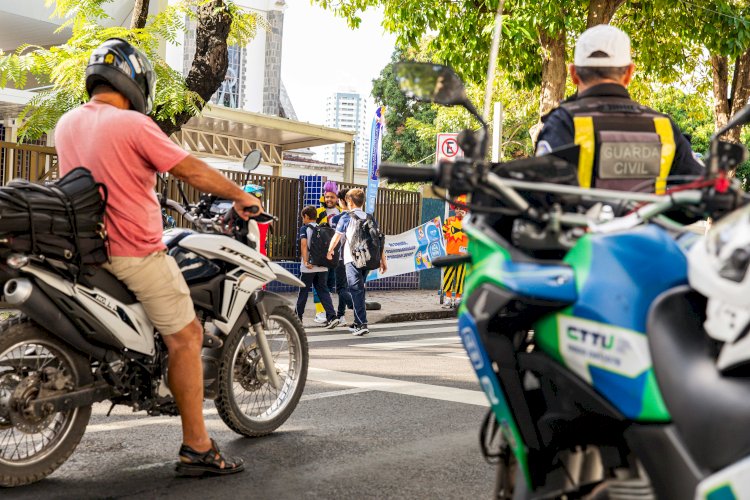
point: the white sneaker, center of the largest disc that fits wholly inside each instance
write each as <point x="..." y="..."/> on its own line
<point x="359" y="330"/>
<point x="342" y="321"/>
<point x="320" y="318"/>
<point x="332" y="324"/>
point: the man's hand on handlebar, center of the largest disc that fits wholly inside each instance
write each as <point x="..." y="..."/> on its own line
<point x="247" y="206"/>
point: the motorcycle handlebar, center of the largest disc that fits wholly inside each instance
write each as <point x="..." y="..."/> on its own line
<point x="405" y="173"/>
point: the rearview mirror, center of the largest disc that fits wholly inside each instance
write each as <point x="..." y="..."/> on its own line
<point x="251" y="161"/>
<point x="429" y="82"/>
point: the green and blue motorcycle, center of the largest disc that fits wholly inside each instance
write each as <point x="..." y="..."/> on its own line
<point x="583" y="329"/>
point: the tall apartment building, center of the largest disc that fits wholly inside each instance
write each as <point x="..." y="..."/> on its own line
<point x="347" y="110"/>
<point x="253" y="79"/>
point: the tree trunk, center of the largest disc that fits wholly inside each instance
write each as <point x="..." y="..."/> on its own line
<point x="554" y="73"/>
<point x="140" y="14"/>
<point x="720" y="74"/>
<point x="211" y="57"/>
<point x="601" y="11"/>
<point x="740" y="91"/>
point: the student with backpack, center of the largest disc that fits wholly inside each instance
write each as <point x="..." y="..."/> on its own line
<point x="313" y="243"/>
<point x="364" y="251"/>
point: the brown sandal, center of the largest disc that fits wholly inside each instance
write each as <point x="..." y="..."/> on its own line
<point x="212" y="462"/>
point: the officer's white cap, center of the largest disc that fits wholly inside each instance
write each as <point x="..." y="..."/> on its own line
<point x="603" y="46"/>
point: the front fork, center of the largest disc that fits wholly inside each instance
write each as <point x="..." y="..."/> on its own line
<point x="267" y="355"/>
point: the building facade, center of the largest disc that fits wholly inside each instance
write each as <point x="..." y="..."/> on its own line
<point x="347" y="110"/>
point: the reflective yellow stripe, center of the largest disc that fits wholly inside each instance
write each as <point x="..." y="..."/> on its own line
<point x="584" y="137"/>
<point x="668" y="148"/>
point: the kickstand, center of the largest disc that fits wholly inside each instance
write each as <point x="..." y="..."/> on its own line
<point x="110" y="409"/>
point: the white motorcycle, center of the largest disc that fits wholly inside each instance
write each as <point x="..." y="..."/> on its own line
<point x="76" y="343"/>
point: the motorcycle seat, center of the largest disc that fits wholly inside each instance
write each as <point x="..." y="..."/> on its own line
<point x="97" y="277"/>
<point x="710" y="410"/>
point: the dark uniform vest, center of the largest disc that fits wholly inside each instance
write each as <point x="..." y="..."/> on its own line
<point x="622" y="143"/>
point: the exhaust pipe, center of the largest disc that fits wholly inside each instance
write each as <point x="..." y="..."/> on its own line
<point x="24" y="296"/>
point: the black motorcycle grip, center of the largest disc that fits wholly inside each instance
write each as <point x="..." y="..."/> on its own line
<point x="404" y="173"/>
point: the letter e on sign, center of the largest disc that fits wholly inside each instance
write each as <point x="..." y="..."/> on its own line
<point x="447" y="148"/>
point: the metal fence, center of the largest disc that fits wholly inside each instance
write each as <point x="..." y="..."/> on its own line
<point x="396" y="211"/>
<point x="282" y="198"/>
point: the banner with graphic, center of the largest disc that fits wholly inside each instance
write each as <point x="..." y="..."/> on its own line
<point x="373" y="170"/>
<point x="413" y="250"/>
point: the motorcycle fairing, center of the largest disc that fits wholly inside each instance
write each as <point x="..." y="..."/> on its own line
<point x="489" y="383"/>
<point x="486" y="295"/>
<point x="601" y="337"/>
<point x="127" y="323"/>
<point x="732" y="483"/>
<point x="217" y="246"/>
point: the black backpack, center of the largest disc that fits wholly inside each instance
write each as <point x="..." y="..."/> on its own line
<point x="317" y="246"/>
<point x="366" y="243"/>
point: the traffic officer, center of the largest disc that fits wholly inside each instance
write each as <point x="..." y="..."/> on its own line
<point x="623" y="145"/>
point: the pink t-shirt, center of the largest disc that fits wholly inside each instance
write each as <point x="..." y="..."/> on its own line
<point x="124" y="150"/>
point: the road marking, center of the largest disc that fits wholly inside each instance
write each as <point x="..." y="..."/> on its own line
<point x="415" y="324"/>
<point x="102" y="411"/>
<point x="391" y="326"/>
<point x="411" y="344"/>
<point x="333" y="394"/>
<point x="439" y="392"/>
<point x="457" y="355"/>
<point x="377" y="335"/>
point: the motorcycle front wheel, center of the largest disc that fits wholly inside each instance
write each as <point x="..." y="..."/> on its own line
<point x="247" y="402"/>
<point x="33" y="362"/>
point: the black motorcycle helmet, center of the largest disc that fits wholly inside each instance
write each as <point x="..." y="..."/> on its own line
<point x="124" y="68"/>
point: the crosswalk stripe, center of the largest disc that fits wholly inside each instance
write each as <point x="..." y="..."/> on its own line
<point x="374" y="335"/>
<point x="439" y="392"/>
<point x="414" y="324"/>
<point x="391" y="326"/>
<point x="411" y="344"/>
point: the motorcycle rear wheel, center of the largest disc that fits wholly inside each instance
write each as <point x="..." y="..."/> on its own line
<point x="247" y="402"/>
<point x="28" y="356"/>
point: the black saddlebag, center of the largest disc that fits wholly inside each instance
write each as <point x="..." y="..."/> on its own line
<point x="63" y="220"/>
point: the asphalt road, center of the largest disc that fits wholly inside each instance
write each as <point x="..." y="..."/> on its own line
<point x="394" y="414"/>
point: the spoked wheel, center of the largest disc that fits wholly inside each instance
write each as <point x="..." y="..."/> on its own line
<point x="247" y="401"/>
<point x="32" y="364"/>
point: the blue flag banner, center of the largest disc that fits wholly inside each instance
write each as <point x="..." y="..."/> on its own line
<point x="373" y="170"/>
<point x="413" y="250"/>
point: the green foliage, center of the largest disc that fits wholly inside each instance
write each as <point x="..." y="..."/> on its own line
<point x="668" y="36"/>
<point x="401" y="142"/>
<point x="63" y="67"/>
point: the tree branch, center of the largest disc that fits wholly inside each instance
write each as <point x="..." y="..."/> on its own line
<point x="602" y="11"/>
<point x="140" y="14"/>
<point x="211" y="57"/>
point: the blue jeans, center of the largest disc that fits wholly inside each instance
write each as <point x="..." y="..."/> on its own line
<point x="342" y="288"/>
<point x="355" y="278"/>
<point x="317" y="281"/>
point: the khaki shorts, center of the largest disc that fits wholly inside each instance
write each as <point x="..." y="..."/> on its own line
<point x="158" y="284"/>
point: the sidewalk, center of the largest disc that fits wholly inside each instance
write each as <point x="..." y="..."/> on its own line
<point x="396" y="306"/>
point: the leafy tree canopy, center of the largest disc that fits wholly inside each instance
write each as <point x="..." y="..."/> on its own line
<point x="668" y="35"/>
<point x="63" y="66"/>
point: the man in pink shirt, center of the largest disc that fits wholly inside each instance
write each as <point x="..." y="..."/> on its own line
<point x="113" y="136"/>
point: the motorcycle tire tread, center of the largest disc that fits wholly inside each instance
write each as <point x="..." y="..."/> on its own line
<point x="20" y="327"/>
<point x="224" y="402"/>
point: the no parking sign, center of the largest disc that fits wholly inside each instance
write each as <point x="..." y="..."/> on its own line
<point x="447" y="148"/>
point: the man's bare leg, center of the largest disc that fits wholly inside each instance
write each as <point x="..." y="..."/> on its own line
<point x="186" y="383"/>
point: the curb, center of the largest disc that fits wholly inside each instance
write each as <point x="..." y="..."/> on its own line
<point x="417" y="316"/>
